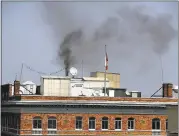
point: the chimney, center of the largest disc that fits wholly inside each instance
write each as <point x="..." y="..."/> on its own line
<point x="167" y="89"/>
<point x="66" y="72"/>
<point x="16" y="87"/>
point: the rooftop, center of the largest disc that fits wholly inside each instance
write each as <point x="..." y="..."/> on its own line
<point x="95" y="99"/>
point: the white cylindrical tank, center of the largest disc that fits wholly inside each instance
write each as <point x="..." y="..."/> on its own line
<point x="29" y="87"/>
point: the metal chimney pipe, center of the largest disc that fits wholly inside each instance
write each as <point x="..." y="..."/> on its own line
<point x="66" y="72"/>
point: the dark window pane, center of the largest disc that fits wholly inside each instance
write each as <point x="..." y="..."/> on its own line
<point x="117" y="124"/>
<point x="91" y="124"/>
<point x="104" y="124"/>
<point x="156" y="124"/>
<point x="39" y="124"/>
<point x="130" y="124"/>
<point x="35" y="124"/>
<point x="78" y="122"/>
<point x="52" y="123"/>
<point x="166" y="124"/>
<point x="153" y="125"/>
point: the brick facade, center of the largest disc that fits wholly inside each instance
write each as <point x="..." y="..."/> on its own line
<point x="66" y="123"/>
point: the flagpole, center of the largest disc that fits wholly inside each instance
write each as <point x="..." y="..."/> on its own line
<point x="105" y="74"/>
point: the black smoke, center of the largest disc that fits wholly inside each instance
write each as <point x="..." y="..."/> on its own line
<point x="127" y="31"/>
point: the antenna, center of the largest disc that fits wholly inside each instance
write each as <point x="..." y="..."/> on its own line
<point x="156" y="92"/>
<point x="16" y="77"/>
<point x="161" y="66"/>
<point x="21" y="71"/>
<point x="82" y="68"/>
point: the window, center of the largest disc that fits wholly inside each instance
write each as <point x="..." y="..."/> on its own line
<point x="156" y="127"/>
<point x="156" y="124"/>
<point x="6" y="123"/>
<point x="2" y="123"/>
<point x="52" y="125"/>
<point x="92" y="123"/>
<point x="78" y="122"/>
<point x="105" y="123"/>
<point x="166" y="124"/>
<point x="117" y="123"/>
<point x="131" y="123"/>
<point x="37" y="125"/>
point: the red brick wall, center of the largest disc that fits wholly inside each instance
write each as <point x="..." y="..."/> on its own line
<point x="67" y="122"/>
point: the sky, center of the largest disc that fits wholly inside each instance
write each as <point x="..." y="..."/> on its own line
<point x="33" y="31"/>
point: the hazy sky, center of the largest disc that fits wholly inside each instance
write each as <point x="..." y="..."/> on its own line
<point x="28" y="38"/>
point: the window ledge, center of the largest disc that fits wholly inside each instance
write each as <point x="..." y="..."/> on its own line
<point x="156" y="130"/>
<point x="78" y="129"/>
<point x="117" y="129"/>
<point x="91" y="129"/>
<point x="104" y="129"/>
<point x="130" y="129"/>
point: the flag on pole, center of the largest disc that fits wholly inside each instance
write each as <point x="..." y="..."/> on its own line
<point x="106" y="61"/>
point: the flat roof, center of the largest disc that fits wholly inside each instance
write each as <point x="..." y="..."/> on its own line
<point x="106" y="72"/>
<point x="107" y="103"/>
<point x="92" y="98"/>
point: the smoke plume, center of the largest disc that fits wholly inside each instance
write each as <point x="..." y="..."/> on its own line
<point x="65" y="51"/>
<point x="82" y="29"/>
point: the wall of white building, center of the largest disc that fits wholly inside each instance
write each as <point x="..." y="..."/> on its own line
<point x="88" y="86"/>
<point x="55" y="86"/>
<point x="27" y="87"/>
<point x="65" y="86"/>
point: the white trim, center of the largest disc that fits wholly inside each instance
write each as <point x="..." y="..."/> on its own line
<point x="92" y="129"/>
<point x="105" y="129"/>
<point x="38" y="130"/>
<point x="156" y="130"/>
<point x="118" y="129"/>
<point x="78" y="129"/>
<point x="51" y="129"/>
<point x="131" y="129"/>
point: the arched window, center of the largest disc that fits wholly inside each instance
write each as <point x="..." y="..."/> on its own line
<point x="118" y="123"/>
<point x="52" y="125"/>
<point x="156" y="124"/>
<point x="105" y="123"/>
<point x="131" y="123"/>
<point x="92" y="123"/>
<point x="37" y="125"/>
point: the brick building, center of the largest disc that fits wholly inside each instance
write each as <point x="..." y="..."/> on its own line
<point x="68" y="115"/>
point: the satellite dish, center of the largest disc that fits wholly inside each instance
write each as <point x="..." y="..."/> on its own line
<point x="175" y="88"/>
<point x="127" y="92"/>
<point x="73" y="71"/>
